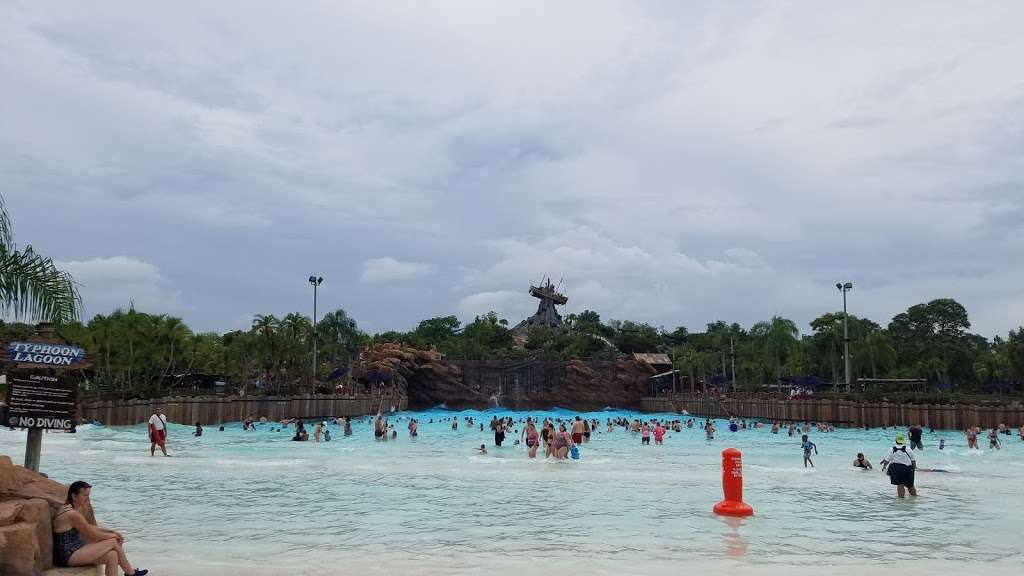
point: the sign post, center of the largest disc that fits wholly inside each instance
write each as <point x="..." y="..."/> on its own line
<point x="39" y="393"/>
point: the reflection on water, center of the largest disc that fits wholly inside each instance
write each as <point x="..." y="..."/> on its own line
<point x="433" y="504"/>
<point x="735" y="544"/>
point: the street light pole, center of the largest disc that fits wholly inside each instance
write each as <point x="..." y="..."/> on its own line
<point x="844" y="288"/>
<point x="315" y="281"/>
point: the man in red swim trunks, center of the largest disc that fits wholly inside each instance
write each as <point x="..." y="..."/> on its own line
<point x="157" y="432"/>
<point x="577" y="431"/>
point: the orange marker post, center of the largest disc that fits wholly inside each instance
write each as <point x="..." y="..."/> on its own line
<point x="732" y="485"/>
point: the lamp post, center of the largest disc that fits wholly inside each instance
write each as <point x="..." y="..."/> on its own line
<point x="844" y="288"/>
<point x="315" y="281"/>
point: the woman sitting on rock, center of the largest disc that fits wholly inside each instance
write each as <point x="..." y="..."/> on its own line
<point x="71" y="531"/>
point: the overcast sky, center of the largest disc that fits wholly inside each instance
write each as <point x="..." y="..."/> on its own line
<point x="676" y="163"/>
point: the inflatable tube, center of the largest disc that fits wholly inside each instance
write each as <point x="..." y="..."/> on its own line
<point x="575" y="452"/>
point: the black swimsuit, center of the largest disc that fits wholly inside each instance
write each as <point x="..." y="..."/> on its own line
<point x="65" y="544"/>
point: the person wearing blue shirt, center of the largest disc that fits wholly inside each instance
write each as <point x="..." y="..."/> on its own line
<point x="807" y="445"/>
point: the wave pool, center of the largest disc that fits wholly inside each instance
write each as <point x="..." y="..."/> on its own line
<point x="254" y="502"/>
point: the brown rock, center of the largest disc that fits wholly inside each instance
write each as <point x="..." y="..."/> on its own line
<point x="19" y="553"/>
<point x="36" y="513"/>
<point x="9" y="512"/>
<point x="430" y="380"/>
<point x="7" y="480"/>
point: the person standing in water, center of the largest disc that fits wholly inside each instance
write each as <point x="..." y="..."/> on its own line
<point x="659" y="433"/>
<point x="348" y="426"/>
<point x="577" y="431"/>
<point x="972" y="438"/>
<point x="318" y="431"/>
<point x="901" y="464"/>
<point x="915" y="432"/>
<point x="499" y="433"/>
<point x="645" y="434"/>
<point x="532" y="438"/>
<point x="413" y="427"/>
<point x="378" y="427"/>
<point x="993" y="439"/>
<point x="199" y="430"/>
<point x="158" y="432"/>
<point x="807" y="445"/>
<point x="709" y="430"/>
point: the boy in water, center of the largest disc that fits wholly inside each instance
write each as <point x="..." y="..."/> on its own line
<point x="807" y="445"/>
<point x="709" y="430"/>
<point x="483" y="449"/>
<point x="862" y="462"/>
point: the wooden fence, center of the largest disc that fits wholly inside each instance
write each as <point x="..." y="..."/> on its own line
<point x="215" y="410"/>
<point x="843" y="412"/>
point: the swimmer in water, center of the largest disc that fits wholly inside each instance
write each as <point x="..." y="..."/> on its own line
<point x="483" y="449"/>
<point x="972" y="439"/>
<point x="645" y="437"/>
<point x="709" y="430"/>
<point x="199" y="430"/>
<point x="862" y="462"/>
<point x="413" y="427"/>
<point x="993" y="439"/>
<point x="348" y="426"/>
<point x="807" y="445"/>
<point x="942" y="443"/>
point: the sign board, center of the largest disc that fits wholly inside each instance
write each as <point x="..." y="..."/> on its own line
<point x="41" y="401"/>
<point x="45" y="354"/>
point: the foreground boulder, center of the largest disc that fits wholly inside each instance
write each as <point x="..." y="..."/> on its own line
<point x="28" y="502"/>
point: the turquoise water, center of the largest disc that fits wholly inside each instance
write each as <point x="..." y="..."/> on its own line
<point x="253" y="502"/>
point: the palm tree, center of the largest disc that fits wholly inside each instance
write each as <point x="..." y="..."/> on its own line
<point x="266" y="326"/>
<point x="31" y="286"/>
<point x="778" y="337"/>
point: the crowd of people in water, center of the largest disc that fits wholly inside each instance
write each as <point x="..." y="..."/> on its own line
<point x="561" y="438"/>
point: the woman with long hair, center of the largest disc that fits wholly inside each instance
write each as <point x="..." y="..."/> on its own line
<point x="76" y="542"/>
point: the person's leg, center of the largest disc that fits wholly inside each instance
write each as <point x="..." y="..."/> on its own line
<point x="122" y="560"/>
<point x="110" y="564"/>
<point x="163" y="448"/>
<point x="899" y="491"/>
<point x="90" y="554"/>
<point x="913" y="491"/>
<point x="152" y="448"/>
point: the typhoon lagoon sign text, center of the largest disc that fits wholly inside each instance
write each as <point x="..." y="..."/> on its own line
<point x="45" y="354"/>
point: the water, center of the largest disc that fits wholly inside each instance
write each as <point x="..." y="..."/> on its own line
<point x="432" y="504"/>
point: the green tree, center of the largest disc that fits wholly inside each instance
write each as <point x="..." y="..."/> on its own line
<point x="435" y="331"/>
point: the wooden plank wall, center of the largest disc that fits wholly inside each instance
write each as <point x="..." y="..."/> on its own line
<point x="216" y="411"/>
<point x="843" y="413"/>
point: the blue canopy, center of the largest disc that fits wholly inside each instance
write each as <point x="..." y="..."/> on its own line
<point x="338" y="373"/>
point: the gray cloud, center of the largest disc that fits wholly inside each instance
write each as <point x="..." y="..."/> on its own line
<point x="675" y="163"/>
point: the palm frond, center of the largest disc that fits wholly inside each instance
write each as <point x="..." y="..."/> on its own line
<point x="31" y="286"/>
<point x="6" y="236"/>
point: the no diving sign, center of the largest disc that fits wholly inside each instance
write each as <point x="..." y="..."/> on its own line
<point x="41" y="401"/>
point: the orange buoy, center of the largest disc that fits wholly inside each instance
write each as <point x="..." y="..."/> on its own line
<point x="732" y="485"/>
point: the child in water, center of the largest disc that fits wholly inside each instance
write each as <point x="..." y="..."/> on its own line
<point x="807" y="445"/>
<point x="483" y="449"/>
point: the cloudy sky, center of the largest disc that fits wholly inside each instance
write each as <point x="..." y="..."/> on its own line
<point x="675" y="163"/>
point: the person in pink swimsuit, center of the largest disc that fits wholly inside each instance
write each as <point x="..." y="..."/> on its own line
<point x="659" y="433"/>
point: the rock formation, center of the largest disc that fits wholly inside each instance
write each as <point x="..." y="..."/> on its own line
<point x="430" y="380"/>
<point x="28" y="502"/>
